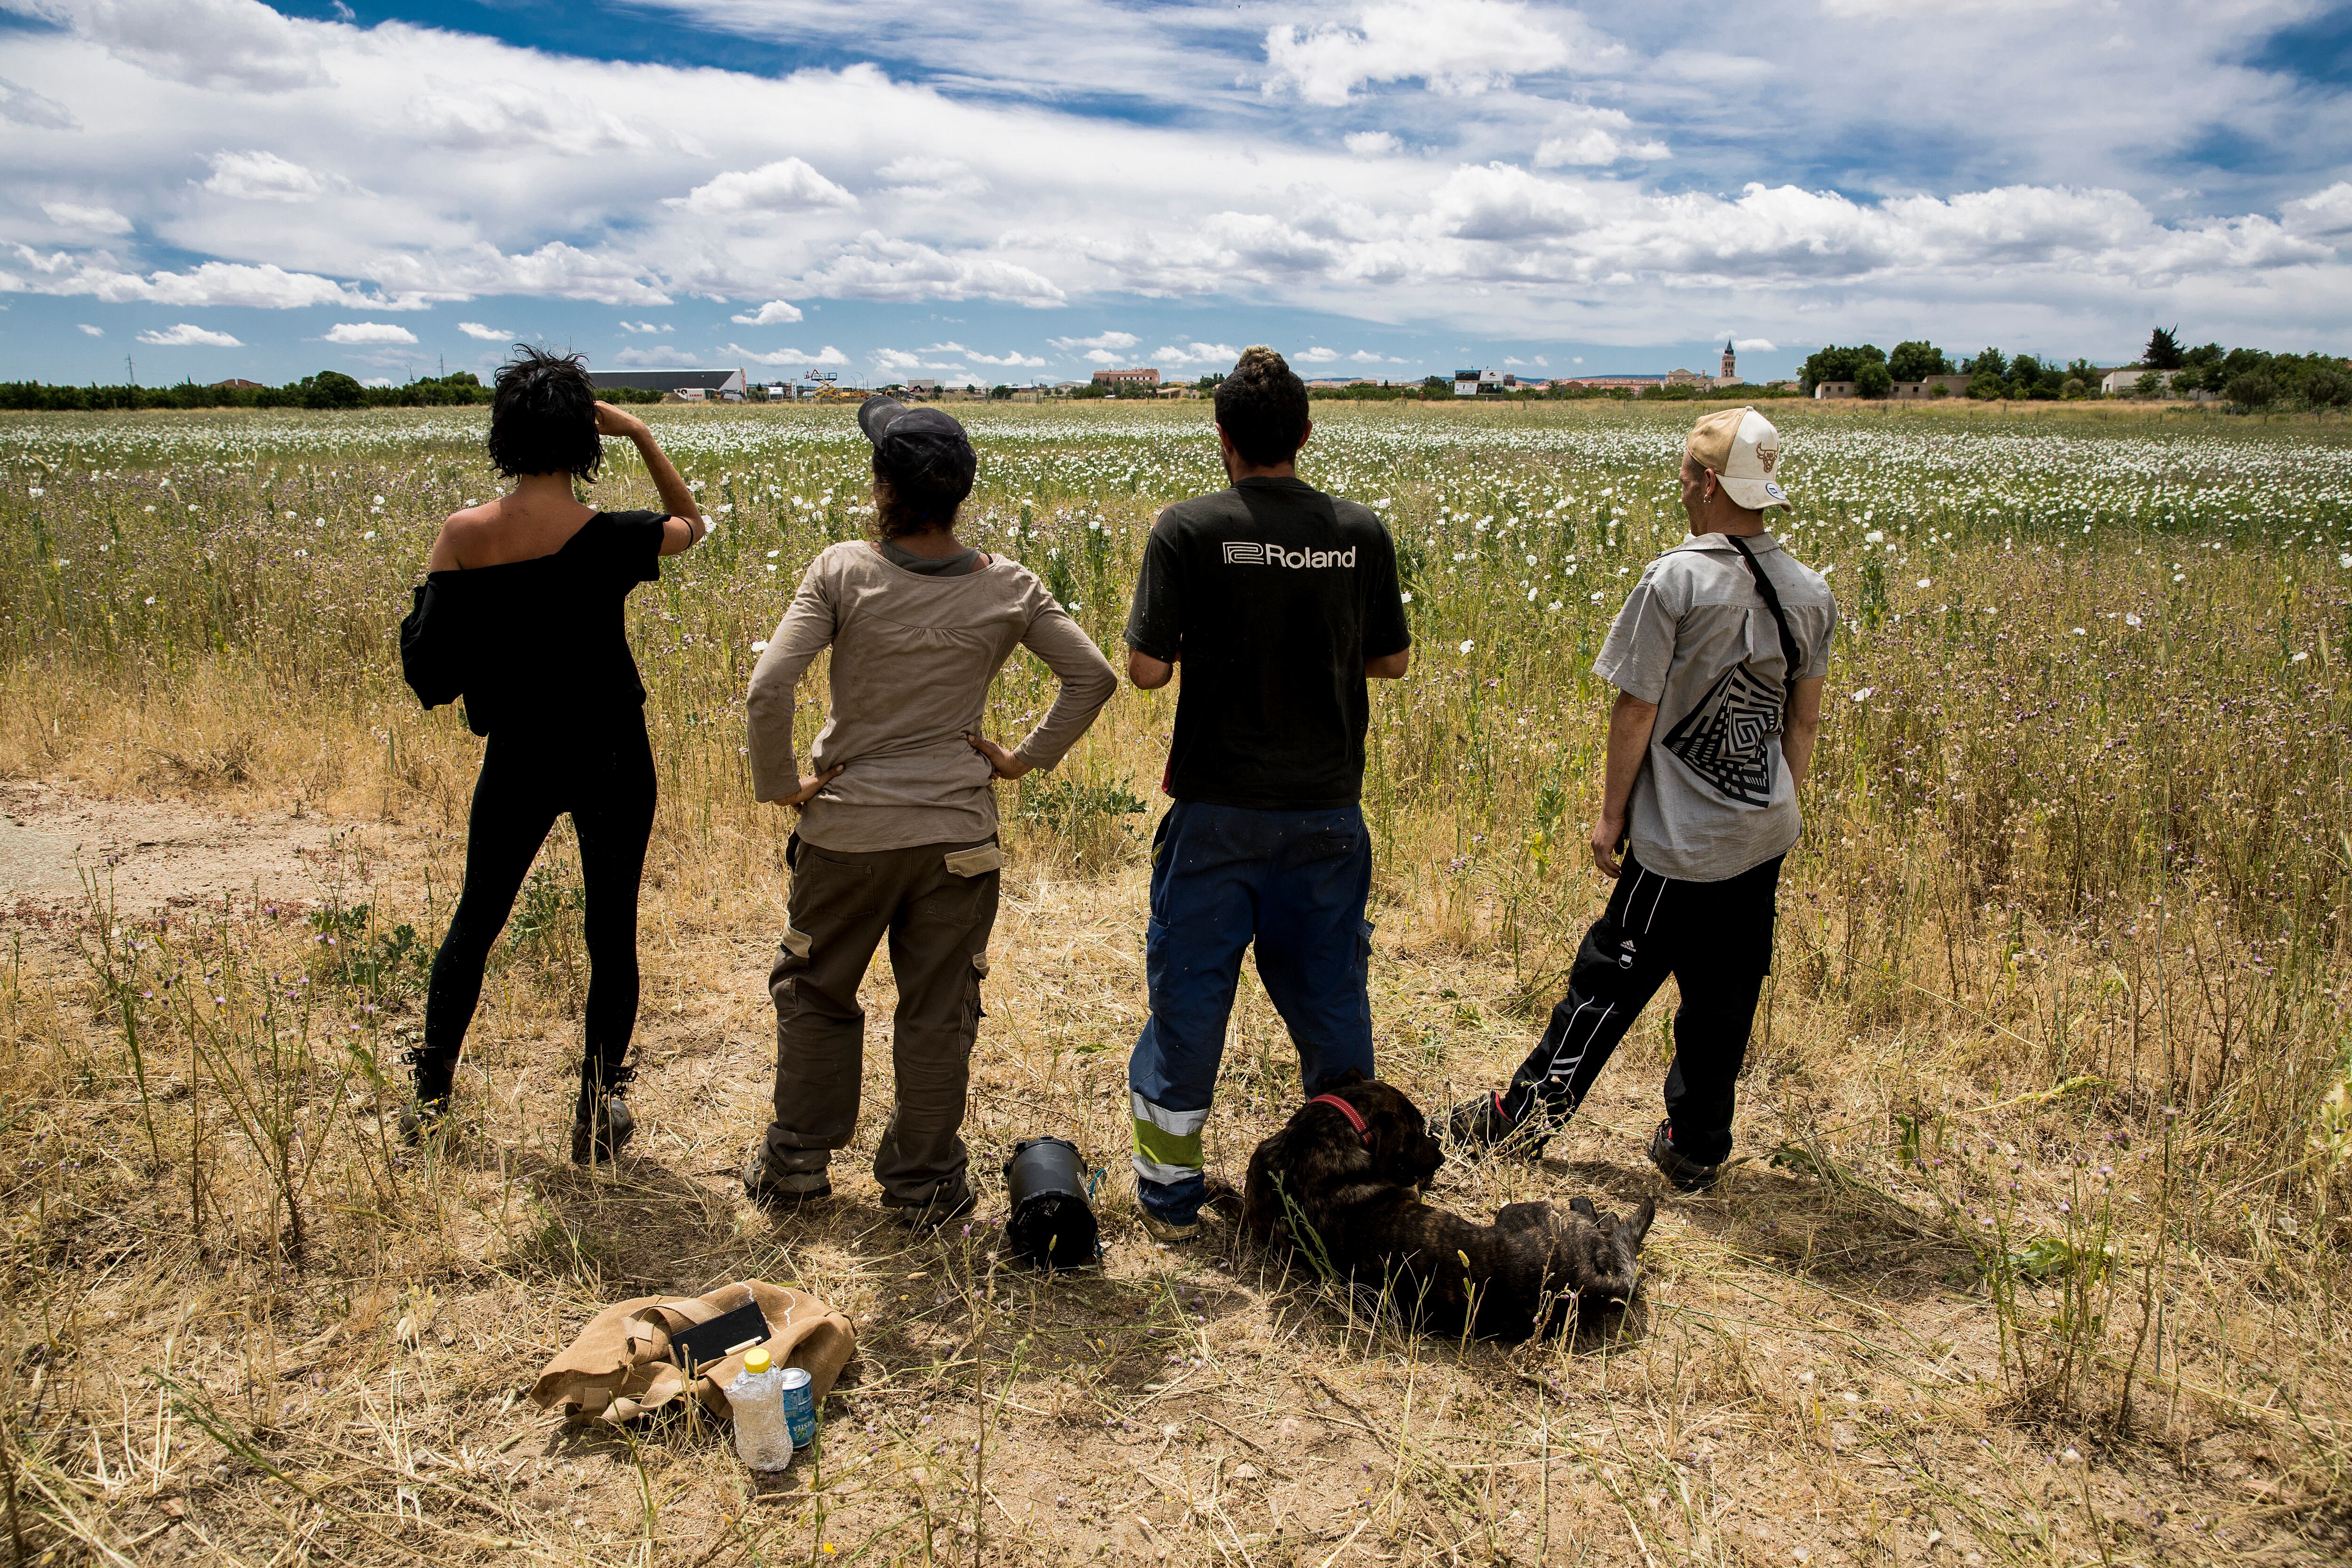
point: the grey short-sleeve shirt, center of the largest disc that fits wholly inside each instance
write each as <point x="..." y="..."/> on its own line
<point x="1714" y="797"/>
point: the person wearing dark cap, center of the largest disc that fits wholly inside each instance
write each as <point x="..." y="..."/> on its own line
<point x="896" y="835"/>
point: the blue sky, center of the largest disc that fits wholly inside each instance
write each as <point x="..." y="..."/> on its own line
<point x="1029" y="191"/>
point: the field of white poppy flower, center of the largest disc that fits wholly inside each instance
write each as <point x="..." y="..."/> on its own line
<point x="2035" y="1249"/>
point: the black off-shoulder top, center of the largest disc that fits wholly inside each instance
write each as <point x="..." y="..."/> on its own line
<point x="535" y="645"/>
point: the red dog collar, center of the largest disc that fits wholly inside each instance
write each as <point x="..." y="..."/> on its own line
<point x="1355" y="1118"/>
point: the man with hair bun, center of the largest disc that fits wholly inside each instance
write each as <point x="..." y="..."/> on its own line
<point x="1277" y="602"/>
<point x="1718" y="658"/>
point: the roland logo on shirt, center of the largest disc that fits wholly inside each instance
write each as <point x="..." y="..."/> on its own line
<point x="1239" y="553"/>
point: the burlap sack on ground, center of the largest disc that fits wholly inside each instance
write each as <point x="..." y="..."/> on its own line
<point x="620" y="1366"/>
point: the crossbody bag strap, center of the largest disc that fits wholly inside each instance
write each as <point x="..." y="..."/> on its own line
<point x="1788" y="652"/>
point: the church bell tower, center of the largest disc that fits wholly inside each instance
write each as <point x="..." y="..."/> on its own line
<point x="1730" y="361"/>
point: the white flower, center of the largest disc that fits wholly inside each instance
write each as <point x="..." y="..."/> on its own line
<point x="2180" y="576"/>
<point x="773" y="553"/>
<point x="369" y="534"/>
<point x="1467" y="644"/>
<point x="2298" y="658"/>
<point x="37" y="493"/>
<point x="1596" y="598"/>
<point x="1531" y="595"/>
<point x="2131" y="618"/>
<point x="379" y="501"/>
<point x="1926" y="582"/>
<point x="760" y="645"/>
<point x="2342" y="561"/>
<point x="151" y="599"/>
<point x="1874" y="536"/>
<point x="2081" y="633"/>
<point x="1405" y="597"/>
<point x="1555" y="603"/>
<point x="1863" y="694"/>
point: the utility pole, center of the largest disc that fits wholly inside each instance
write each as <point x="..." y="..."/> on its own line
<point x="131" y="370"/>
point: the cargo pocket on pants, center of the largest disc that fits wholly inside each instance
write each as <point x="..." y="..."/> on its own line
<point x="973" y="1011"/>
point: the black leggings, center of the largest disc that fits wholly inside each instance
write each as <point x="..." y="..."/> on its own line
<point x="603" y="774"/>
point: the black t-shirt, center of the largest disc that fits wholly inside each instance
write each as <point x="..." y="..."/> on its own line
<point x="1268" y="597"/>
<point x="539" y="643"/>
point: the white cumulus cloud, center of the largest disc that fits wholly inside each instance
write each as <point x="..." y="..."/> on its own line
<point x="1371" y="143"/>
<point x="774" y="313"/>
<point x="486" y="335"/>
<point x="647" y="327"/>
<point x="1463" y="48"/>
<point x="824" y="358"/>
<point x="787" y="185"/>
<point x="369" y="332"/>
<point x="85" y="218"/>
<point x="262" y="177"/>
<point x="188" y="335"/>
<point x="1099" y="342"/>
<point x="1197" y="353"/>
<point x="93" y="332"/>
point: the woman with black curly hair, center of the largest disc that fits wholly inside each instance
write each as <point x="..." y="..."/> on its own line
<point x="520" y="616"/>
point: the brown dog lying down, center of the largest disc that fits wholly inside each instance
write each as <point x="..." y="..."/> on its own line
<point x="1345" y="1190"/>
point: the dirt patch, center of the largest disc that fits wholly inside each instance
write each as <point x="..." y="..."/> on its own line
<point x="155" y="854"/>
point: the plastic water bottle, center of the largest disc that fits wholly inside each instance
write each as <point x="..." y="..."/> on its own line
<point x="757" y="1399"/>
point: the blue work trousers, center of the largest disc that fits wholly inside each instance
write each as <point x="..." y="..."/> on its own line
<point x="1223" y="876"/>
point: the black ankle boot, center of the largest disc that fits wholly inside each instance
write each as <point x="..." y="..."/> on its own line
<point x="601" y="1123"/>
<point x="428" y="1113"/>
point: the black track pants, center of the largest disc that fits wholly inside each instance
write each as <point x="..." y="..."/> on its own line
<point x="603" y="774"/>
<point x="1715" y="939"/>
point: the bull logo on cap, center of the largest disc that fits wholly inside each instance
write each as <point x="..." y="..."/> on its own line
<point x="1768" y="455"/>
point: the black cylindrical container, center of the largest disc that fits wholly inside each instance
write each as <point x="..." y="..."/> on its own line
<point x="1051" y="1223"/>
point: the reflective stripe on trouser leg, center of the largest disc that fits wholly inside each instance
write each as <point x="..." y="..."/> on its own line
<point x="1167" y="1142"/>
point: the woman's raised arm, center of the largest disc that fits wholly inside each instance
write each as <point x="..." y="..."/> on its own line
<point x="686" y="526"/>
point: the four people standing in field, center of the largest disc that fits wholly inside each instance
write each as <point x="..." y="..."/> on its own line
<point x="1276" y="603"/>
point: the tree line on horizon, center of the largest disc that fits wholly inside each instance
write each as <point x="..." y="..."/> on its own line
<point x="327" y="389"/>
<point x="2245" y="378"/>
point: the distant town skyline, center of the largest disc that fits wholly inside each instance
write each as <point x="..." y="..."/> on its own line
<point x="218" y="188"/>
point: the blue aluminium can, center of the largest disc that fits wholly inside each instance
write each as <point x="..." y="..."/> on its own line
<point x="800" y="1406"/>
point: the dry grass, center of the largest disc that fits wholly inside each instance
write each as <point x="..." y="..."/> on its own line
<point x="1869" y="1348"/>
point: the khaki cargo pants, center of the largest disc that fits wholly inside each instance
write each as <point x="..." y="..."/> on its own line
<point x="937" y="903"/>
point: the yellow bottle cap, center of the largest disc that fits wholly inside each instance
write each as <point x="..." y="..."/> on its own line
<point x="756" y="1361"/>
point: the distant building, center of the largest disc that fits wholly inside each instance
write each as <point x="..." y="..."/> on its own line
<point x="1145" y="377"/>
<point x="1906" y="391"/>
<point x="692" y="384"/>
<point x="2114" y="381"/>
<point x="1731" y="367"/>
<point x="1901" y="391"/>
<point x="1680" y="377"/>
<point x="923" y="386"/>
<point x="1636" y="384"/>
<point x="238" y="383"/>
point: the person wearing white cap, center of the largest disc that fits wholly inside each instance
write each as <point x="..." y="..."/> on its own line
<point x="1718" y="658"/>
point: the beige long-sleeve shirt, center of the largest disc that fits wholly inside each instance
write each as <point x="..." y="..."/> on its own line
<point x="912" y="658"/>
